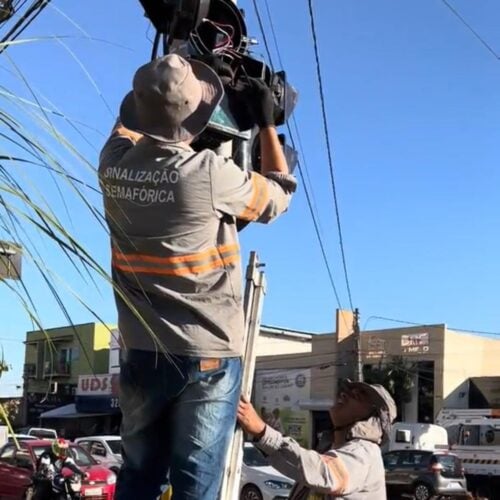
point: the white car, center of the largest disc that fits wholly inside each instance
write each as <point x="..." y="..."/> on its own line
<point x="105" y="449"/>
<point x="260" y="481"/>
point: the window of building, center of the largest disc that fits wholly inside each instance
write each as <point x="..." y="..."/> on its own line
<point x="40" y="356"/>
<point x="57" y="360"/>
<point x="425" y="376"/>
<point x="114" y="360"/>
<point x="64" y="360"/>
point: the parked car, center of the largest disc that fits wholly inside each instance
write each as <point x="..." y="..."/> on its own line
<point x="21" y="437"/>
<point x="18" y="466"/>
<point x="260" y="481"/>
<point x="39" y="432"/>
<point x="5" y="437"/>
<point x="107" y="450"/>
<point x="424" y="474"/>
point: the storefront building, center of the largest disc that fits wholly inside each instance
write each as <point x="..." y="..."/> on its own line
<point x="433" y="364"/>
<point x="90" y="404"/>
<point x="54" y="360"/>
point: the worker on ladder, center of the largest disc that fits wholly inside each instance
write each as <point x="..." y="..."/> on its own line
<point x="176" y="269"/>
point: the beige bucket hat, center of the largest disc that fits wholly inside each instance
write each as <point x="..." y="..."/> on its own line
<point x="172" y="99"/>
<point x="382" y="401"/>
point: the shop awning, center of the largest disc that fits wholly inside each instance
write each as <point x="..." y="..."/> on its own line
<point x="67" y="411"/>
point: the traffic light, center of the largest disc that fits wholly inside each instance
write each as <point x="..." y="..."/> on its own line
<point x="217" y="28"/>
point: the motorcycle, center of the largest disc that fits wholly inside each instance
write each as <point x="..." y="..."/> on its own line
<point x="71" y="487"/>
<point x="61" y="487"/>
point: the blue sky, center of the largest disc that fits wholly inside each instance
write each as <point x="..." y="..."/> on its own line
<point x="413" y="106"/>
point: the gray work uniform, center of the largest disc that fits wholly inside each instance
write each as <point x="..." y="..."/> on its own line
<point x="360" y="474"/>
<point x="176" y="262"/>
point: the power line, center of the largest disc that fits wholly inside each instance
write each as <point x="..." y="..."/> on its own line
<point x="294" y="121"/>
<point x="412" y="323"/>
<point x="273" y="32"/>
<point x="31" y="13"/>
<point x="457" y="14"/>
<point x="329" y="148"/>
<point x="263" y="31"/>
<point x="299" y="166"/>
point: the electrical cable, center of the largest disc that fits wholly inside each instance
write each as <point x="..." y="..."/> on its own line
<point x="457" y="14"/>
<point x="300" y="170"/>
<point x="294" y="120"/>
<point x="34" y="11"/>
<point x="263" y="32"/>
<point x="329" y="148"/>
<point x="156" y="44"/>
<point x="464" y="330"/>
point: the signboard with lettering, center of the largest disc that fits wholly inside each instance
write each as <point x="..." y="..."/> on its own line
<point x="97" y="394"/>
<point x="277" y="397"/>
<point x="415" y="343"/>
<point x="97" y="385"/>
<point x="39" y="403"/>
<point x="376" y="347"/>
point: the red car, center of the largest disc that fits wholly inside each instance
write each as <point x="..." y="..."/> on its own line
<point x="17" y="468"/>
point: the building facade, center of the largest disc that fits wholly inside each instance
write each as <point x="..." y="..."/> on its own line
<point x="296" y="373"/>
<point x="432" y="366"/>
<point x="72" y="374"/>
<point x="54" y="360"/>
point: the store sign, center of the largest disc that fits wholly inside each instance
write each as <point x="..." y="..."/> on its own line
<point x="376" y="347"/>
<point x="97" y="393"/>
<point x="39" y="403"/>
<point x="415" y="343"/>
<point x="277" y="398"/>
<point x="97" y="385"/>
<point x="97" y="404"/>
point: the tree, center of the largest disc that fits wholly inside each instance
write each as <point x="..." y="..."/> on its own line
<point x="397" y="376"/>
<point x="11" y="408"/>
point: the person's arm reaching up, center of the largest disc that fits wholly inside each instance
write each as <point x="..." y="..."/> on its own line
<point x="251" y="196"/>
<point x="334" y="473"/>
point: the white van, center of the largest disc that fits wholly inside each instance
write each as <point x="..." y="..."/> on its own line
<point x="429" y="437"/>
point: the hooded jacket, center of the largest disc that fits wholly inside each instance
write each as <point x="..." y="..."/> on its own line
<point x="354" y="471"/>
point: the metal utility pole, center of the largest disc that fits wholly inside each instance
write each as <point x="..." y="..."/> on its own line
<point x="253" y="301"/>
<point x="357" y="338"/>
<point x="24" y="402"/>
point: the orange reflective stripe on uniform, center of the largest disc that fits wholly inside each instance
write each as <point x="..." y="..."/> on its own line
<point x="177" y="265"/>
<point x="339" y="473"/>
<point x="259" y="200"/>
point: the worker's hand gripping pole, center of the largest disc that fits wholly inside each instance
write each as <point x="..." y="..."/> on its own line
<point x="255" y="290"/>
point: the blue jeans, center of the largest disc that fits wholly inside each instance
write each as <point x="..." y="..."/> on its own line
<point x="178" y="417"/>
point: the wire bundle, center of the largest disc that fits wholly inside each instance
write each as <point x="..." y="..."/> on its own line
<point x="23" y="22"/>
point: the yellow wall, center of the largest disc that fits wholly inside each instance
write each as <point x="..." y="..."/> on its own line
<point x="90" y="351"/>
<point x="465" y="356"/>
<point x="102" y="336"/>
